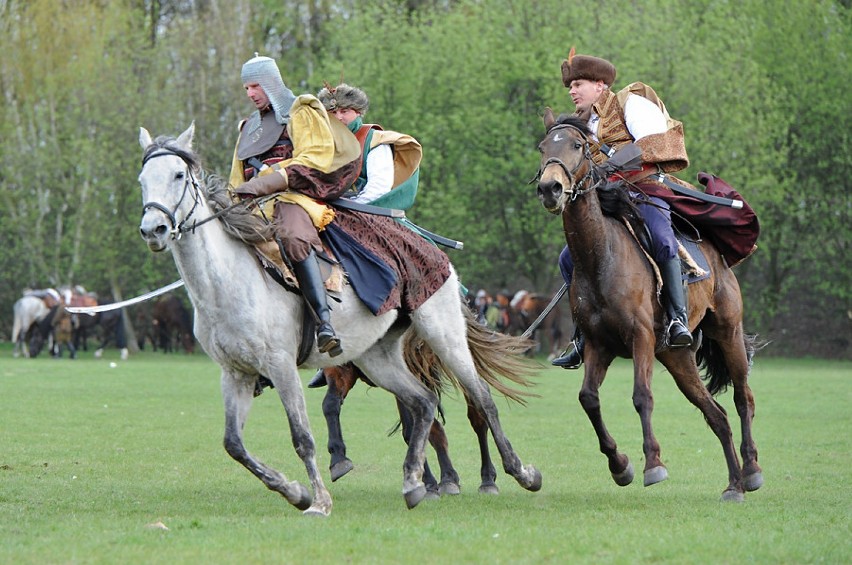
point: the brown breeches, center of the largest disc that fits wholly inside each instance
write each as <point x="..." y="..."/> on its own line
<point x="296" y="230"/>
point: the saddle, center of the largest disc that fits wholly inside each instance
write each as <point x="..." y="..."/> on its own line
<point x="269" y="255"/>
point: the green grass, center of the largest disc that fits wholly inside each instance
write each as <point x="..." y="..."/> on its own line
<point x="92" y="454"/>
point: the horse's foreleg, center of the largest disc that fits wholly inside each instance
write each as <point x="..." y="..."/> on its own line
<point x="340" y="380"/>
<point x="450" y="483"/>
<point x="289" y="388"/>
<point x="237" y="395"/>
<point x="643" y="403"/>
<point x="487" y="472"/>
<point x="595" y="372"/>
<point x="331" y="404"/>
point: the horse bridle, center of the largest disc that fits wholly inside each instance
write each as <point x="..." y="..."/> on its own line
<point x="587" y="158"/>
<point x="178" y="229"/>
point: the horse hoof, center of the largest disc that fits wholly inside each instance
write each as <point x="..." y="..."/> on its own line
<point x="731" y="495"/>
<point x="490" y="488"/>
<point x="451" y="489"/>
<point x="432" y="495"/>
<point x="753" y="482"/>
<point x="625" y="477"/>
<point x="317" y="511"/>
<point x="535" y="482"/>
<point x="341" y="468"/>
<point x="413" y="497"/>
<point x="655" y="475"/>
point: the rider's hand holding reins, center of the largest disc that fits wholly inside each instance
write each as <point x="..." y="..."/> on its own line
<point x="263" y="185"/>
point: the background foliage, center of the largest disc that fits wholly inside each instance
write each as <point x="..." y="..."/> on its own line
<point x="760" y="88"/>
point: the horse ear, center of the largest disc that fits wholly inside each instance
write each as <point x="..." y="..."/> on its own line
<point x="185" y="139"/>
<point x="548" y="117"/>
<point x="144" y="138"/>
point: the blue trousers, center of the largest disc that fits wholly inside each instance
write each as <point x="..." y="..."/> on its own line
<point x="657" y="216"/>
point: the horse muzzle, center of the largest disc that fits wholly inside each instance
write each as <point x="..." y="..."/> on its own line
<point x="551" y="195"/>
<point x="154" y="231"/>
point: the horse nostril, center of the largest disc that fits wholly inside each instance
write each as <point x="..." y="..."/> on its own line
<point x="161" y="230"/>
<point x="549" y="187"/>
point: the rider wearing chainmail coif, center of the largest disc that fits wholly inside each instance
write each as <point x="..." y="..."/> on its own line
<point x="617" y="119"/>
<point x="289" y="144"/>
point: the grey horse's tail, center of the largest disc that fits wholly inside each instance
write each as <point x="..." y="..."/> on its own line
<point x="497" y="357"/>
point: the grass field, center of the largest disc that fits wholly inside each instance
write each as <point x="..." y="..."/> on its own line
<point x="95" y="453"/>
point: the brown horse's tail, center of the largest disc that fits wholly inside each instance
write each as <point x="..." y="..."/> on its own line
<point x="497" y="358"/>
<point x="710" y="359"/>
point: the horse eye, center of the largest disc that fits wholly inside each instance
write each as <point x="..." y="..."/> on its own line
<point x="179" y="175"/>
<point x="577" y="145"/>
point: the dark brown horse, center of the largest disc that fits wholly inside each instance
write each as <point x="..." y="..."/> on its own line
<point x="422" y="361"/>
<point x="342" y="378"/>
<point x="172" y="324"/>
<point x="614" y="301"/>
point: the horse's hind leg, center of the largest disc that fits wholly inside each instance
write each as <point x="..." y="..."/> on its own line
<point x="441" y="323"/>
<point x="487" y="472"/>
<point x="429" y="480"/>
<point x="385" y="366"/>
<point x="595" y="372"/>
<point x="238" y="392"/>
<point x="681" y="364"/>
<point x="736" y="352"/>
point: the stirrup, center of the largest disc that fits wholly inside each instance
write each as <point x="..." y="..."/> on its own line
<point x="570" y="359"/>
<point x="327" y="340"/>
<point x="682" y="336"/>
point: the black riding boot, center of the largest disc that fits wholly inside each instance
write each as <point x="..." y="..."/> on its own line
<point x="319" y="380"/>
<point x="572" y="357"/>
<point x="677" y="334"/>
<point x="310" y="281"/>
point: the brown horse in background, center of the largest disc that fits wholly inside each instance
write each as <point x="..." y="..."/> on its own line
<point x="172" y="324"/>
<point x="526" y="307"/>
<point x="614" y="301"/>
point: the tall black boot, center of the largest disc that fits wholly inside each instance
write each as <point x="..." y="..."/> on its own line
<point x="677" y="334"/>
<point x="572" y="357"/>
<point x="319" y="380"/>
<point x="310" y="281"/>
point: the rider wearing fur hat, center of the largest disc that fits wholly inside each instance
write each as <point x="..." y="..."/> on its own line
<point x="617" y="119"/>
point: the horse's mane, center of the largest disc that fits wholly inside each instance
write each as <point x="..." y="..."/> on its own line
<point x="239" y="222"/>
<point x="614" y="197"/>
<point x="574" y="121"/>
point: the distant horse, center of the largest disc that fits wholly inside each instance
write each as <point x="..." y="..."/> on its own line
<point x="526" y="307"/>
<point x="251" y="327"/>
<point x="613" y="297"/>
<point x="27" y="310"/>
<point x="171" y="324"/>
<point x="109" y="324"/>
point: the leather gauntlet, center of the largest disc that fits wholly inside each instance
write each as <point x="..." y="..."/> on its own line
<point x="270" y="183"/>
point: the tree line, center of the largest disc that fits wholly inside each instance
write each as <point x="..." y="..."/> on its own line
<point x="761" y="91"/>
